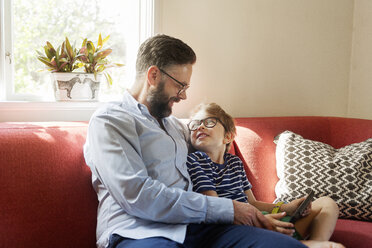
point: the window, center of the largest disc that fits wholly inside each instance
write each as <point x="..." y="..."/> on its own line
<point x="26" y="25"/>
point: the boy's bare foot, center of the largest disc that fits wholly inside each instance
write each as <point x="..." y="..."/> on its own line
<point x="321" y="244"/>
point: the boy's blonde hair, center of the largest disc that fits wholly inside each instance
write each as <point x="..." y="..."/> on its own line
<point x="215" y="110"/>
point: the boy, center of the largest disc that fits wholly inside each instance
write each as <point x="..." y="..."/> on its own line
<point x="215" y="172"/>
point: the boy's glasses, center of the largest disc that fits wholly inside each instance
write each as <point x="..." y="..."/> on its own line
<point x="208" y="122"/>
<point x="184" y="87"/>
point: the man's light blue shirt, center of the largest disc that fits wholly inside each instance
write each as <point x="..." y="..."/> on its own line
<point x="139" y="173"/>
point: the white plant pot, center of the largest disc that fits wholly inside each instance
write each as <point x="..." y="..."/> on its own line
<point x="75" y="86"/>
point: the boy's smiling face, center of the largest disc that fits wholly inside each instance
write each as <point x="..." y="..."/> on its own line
<point x="208" y="140"/>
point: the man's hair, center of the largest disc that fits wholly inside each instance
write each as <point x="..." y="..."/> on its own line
<point x="163" y="51"/>
<point x="215" y="110"/>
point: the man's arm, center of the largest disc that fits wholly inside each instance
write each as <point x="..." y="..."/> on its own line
<point x="245" y="214"/>
<point x="210" y="193"/>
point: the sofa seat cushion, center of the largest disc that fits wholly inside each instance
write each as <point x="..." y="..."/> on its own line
<point x="47" y="199"/>
<point x="353" y="233"/>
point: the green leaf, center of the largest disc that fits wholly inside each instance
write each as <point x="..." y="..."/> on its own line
<point x="50" y="48"/>
<point x="90" y="47"/>
<point x="63" y="65"/>
<point x="103" y="54"/>
<point x="105" y="39"/>
<point x="69" y="50"/>
<point x="83" y="51"/>
<point x="49" y="45"/>
<point x="100" y="43"/>
<point x="108" y="78"/>
<point x="63" y="54"/>
<point x="43" y="58"/>
<point x="101" y="68"/>
<point x="78" y="65"/>
<point x="54" y="62"/>
<point x="84" y="59"/>
<point x="47" y="52"/>
<point x="46" y="62"/>
<point x="57" y="54"/>
<point x="84" y="43"/>
<point x="39" y="53"/>
<point x="91" y="58"/>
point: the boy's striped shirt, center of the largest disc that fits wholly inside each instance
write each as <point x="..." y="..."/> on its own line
<point x="228" y="180"/>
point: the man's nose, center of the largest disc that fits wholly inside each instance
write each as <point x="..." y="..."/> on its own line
<point x="183" y="95"/>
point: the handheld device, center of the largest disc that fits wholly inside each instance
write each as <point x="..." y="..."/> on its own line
<point x="297" y="214"/>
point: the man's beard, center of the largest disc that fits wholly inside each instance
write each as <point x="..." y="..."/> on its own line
<point x="159" y="102"/>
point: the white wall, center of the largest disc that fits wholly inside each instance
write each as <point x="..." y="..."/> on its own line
<point x="270" y="57"/>
<point x="260" y="58"/>
<point x="360" y="98"/>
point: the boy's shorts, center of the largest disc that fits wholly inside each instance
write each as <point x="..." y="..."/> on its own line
<point x="286" y="218"/>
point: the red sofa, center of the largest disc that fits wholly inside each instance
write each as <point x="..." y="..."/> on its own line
<point x="46" y="198"/>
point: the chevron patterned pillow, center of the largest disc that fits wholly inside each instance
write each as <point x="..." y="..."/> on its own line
<point x="343" y="174"/>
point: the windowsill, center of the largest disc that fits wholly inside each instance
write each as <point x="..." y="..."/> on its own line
<point x="47" y="111"/>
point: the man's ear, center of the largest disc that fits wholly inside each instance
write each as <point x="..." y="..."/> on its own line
<point x="153" y="75"/>
<point x="229" y="137"/>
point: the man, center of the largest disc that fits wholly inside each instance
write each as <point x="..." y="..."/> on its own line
<point x="137" y="153"/>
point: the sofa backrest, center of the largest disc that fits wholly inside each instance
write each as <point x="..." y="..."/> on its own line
<point x="46" y="197"/>
<point x="47" y="200"/>
<point x="255" y="136"/>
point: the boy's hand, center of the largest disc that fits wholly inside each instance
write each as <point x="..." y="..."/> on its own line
<point x="246" y="214"/>
<point x="280" y="226"/>
<point x="289" y="208"/>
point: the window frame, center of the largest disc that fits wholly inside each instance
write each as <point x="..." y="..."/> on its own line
<point x="13" y="107"/>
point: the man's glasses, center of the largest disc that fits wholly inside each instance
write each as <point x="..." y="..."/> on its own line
<point x="208" y="123"/>
<point x="184" y="87"/>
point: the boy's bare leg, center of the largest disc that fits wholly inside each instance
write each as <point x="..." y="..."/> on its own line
<point x="318" y="226"/>
<point x="324" y="223"/>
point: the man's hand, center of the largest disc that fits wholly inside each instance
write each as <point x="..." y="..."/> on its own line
<point x="246" y="214"/>
<point x="280" y="226"/>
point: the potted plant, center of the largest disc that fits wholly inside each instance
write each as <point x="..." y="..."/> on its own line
<point x="66" y="61"/>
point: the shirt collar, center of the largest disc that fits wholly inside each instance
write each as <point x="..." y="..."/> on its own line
<point x="135" y="106"/>
<point x="131" y="103"/>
